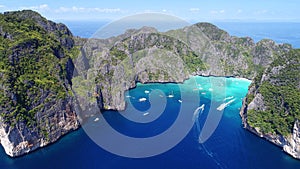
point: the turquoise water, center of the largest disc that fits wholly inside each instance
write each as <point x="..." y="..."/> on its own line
<point x="230" y="146"/>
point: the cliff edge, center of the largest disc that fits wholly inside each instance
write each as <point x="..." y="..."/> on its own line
<point x="271" y="108"/>
<point x="37" y="103"/>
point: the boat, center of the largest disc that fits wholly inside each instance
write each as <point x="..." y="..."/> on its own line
<point x="145" y="114"/>
<point x="171" y="95"/>
<point x="96" y="119"/>
<point x="147" y="91"/>
<point x="142" y="99"/>
<point x="228" y="98"/>
<point x="224" y="105"/>
<point x="197" y="112"/>
<point x="180" y="101"/>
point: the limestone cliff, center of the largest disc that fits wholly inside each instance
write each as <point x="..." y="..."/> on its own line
<point x="271" y="108"/>
<point x="146" y="55"/>
<point x="36" y="69"/>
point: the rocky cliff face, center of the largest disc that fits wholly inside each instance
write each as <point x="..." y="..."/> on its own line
<point x="271" y="109"/>
<point x="146" y="55"/>
<point x="292" y="145"/>
<point x="143" y="55"/>
<point x="37" y="103"/>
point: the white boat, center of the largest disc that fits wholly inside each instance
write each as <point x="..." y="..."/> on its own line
<point x="171" y="95"/>
<point x="145" y="114"/>
<point x="147" y="91"/>
<point x="228" y="98"/>
<point x="224" y="105"/>
<point x="142" y="99"/>
<point x="196" y="112"/>
<point x="180" y="101"/>
<point x="128" y="96"/>
<point x="96" y="119"/>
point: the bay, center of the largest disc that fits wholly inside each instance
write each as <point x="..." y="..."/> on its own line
<point x="230" y="146"/>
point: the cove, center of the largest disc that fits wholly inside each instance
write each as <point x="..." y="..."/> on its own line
<point x="230" y="146"/>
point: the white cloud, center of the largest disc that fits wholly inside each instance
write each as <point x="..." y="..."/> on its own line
<point x="2" y="6"/>
<point x="63" y="9"/>
<point x="42" y="7"/>
<point x="87" y="10"/>
<point x="239" y="11"/>
<point x="148" y="11"/>
<point x="214" y="12"/>
<point x="260" y="12"/>
<point x="218" y="12"/>
<point x="164" y="10"/>
<point x="194" y="9"/>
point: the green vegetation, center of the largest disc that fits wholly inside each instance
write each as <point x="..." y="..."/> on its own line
<point x="156" y="74"/>
<point x="193" y="62"/>
<point x="117" y="55"/>
<point x="281" y="96"/>
<point x="32" y="65"/>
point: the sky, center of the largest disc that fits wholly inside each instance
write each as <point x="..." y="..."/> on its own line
<point x="190" y="10"/>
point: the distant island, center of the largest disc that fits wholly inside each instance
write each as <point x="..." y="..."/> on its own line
<point x="45" y="76"/>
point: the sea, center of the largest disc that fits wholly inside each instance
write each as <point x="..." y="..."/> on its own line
<point x="207" y="100"/>
<point x="280" y="32"/>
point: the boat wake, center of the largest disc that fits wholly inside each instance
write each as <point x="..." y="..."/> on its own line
<point x="202" y="146"/>
<point x="224" y="105"/>
<point x="197" y="112"/>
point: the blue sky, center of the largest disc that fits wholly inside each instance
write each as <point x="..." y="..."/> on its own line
<point x="191" y="10"/>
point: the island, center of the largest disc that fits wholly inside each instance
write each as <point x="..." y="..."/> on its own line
<point x="51" y="79"/>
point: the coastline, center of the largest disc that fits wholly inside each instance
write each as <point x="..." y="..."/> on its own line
<point x="278" y="140"/>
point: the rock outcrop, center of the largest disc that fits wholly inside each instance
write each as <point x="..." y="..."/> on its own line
<point x="37" y="102"/>
<point x="271" y="108"/>
<point x="292" y="146"/>
<point x="146" y="55"/>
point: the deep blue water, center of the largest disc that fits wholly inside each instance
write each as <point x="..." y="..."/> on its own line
<point x="230" y="146"/>
<point x="283" y="32"/>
